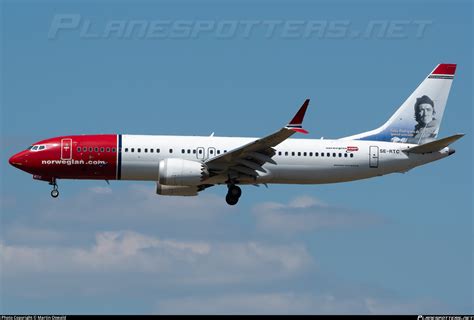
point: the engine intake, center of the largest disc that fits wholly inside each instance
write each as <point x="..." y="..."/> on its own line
<point x="179" y="172"/>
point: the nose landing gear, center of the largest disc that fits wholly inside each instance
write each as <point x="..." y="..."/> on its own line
<point x="233" y="194"/>
<point x="55" y="191"/>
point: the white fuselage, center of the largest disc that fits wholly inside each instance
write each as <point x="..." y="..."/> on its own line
<point x="297" y="161"/>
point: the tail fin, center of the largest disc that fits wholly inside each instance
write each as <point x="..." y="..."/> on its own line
<point x="418" y="119"/>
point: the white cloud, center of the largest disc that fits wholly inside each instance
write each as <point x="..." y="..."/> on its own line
<point x="306" y="214"/>
<point x="71" y="218"/>
<point x="167" y="260"/>
<point x="202" y="273"/>
<point x="291" y="303"/>
<point x="135" y="203"/>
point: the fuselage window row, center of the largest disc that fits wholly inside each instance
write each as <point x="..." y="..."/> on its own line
<point x="316" y="154"/>
<point x="211" y="152"/>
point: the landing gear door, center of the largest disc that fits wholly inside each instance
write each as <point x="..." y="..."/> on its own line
<point x="66" y="149"/>
<point x="374" y="157"/>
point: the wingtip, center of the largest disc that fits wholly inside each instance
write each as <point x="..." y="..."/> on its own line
<point x="299" y="116"/>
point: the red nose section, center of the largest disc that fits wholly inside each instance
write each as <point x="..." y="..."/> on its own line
<point x="18" y="160"/>
<point x="15" y="161"/>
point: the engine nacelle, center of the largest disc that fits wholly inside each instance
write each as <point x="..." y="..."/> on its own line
<point x="179" y="172"/>
<point x="176" y="190"/>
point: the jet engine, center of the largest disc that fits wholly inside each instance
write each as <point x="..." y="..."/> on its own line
<point x="179" y="172"/>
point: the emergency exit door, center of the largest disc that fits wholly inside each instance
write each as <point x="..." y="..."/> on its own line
<point x="374" y="157"/>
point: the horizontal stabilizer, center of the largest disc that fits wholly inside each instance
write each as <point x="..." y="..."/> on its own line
<point x="434" y="145"/>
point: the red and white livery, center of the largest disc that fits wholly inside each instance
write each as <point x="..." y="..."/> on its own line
<point x="186" y="165"/>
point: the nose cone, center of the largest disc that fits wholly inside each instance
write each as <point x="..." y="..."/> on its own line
<point x="16" y="160"/>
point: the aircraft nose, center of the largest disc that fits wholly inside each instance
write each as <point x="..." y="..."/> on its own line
<point x="16" y="160"/>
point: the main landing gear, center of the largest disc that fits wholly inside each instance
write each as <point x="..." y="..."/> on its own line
<point x="233" y="194"/>
<point x="55" y="191"/>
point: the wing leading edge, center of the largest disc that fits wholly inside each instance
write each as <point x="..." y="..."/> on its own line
<point x="248" y="159"/>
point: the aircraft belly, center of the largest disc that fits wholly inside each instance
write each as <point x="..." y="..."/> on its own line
<point x="295" y="174"/>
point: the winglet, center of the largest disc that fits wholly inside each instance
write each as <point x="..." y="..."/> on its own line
<point x="297" y="121"/>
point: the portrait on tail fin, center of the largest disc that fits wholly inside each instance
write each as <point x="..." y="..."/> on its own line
<point x="427" y="125"/>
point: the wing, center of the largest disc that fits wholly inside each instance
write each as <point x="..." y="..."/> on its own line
<point x="248" y="159"/>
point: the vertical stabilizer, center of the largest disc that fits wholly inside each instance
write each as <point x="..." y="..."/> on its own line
<point x="418" y="119"/>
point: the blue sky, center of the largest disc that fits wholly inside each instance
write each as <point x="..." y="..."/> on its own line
<point x="397" y="244"/>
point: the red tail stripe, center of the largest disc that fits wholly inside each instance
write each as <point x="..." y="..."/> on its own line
<point x="445" y="68"/>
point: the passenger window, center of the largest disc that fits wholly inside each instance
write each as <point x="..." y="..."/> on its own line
<point x="194" y="151"/>
<point x="279" y="153"/>
<point x="218" y="152"/>
<point x="200" y="151"/>
<point x="151" y="150"/>
<point x="84" y="149"/>
<point x="146" y="150"/>
<point x="101" y="149"/>
<point x="132" y="150"/>
<point x="79" y="149"/>
<point x="345" y="155"/>
<point x="126" y="149"/>
<point x="96" y="149"/>
<point x="171" y="150"/>
<point x="310" y="154"/>
<point x="211" y="151"/>
<point x="328" y="154"/>
<point x="334" y="154"/>
<point x="340" y="155"/>
<point x="299" y="154"/>
<point x="113" y="149"/>
<point x="352" y="155"/>
<point x="182" y="151"/>
<point x="108" y="149"/>
<point x="225" y="151"/>
<point x="157" y="150"/>
<point x="139" y="150"/>
<point x="322" y="154"/>
<point x="304" y="154"/>
<point x="293" y="154"/>
<point x="286" y="153"/>
<point x="189" y="151"/>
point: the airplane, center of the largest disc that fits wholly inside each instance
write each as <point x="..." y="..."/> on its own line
<point x="187" y="165"/>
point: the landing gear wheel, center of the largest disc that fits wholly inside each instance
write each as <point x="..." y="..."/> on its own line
<point x="231" y="200"/>
<point x="233" y="194"/>
<point x="54" y="192"/>
<point x="235" y="191"/>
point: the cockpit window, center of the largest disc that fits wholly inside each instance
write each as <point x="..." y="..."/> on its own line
<point x="37" y="148"/>
<point x="29" y="148"/>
